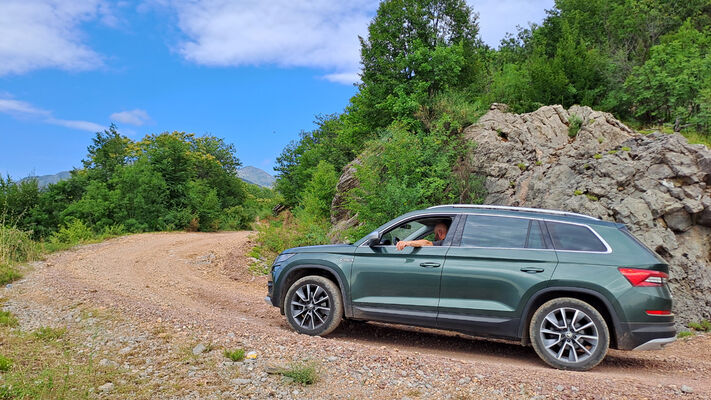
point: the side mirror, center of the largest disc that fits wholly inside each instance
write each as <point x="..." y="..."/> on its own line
<point x="372" y="239"/>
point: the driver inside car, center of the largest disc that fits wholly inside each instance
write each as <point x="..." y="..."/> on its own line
<point x="440" y="231"/>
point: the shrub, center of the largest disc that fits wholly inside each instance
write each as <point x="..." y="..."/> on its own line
<point x="574" y="125"/>
<point x="74" y="232"/>
<point x="5" y="363"/>
<point x="303" y="373"/>
<point x="235" y="355"/>
<point x="684" y="334"/>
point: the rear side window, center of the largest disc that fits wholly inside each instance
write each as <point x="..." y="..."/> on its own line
<point x="574" y="237"/>
<point x="502" y="232"/>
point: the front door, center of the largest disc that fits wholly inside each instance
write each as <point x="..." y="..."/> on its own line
<point x="487" y="277"/>
<point x="400" y="286"/>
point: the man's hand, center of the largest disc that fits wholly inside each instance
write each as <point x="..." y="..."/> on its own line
<point x="402" y="244"/>
<point x="414" y="243"/>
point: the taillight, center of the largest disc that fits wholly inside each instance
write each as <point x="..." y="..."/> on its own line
<point x="658" y="312"/>
<point x="644" y="277"/>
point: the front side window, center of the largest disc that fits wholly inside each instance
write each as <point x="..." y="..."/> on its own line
<point x="574" y="237"/>
<point x="414" y="230"/>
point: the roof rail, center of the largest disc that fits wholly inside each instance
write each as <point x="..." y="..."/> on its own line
<point x="510" y="208"/>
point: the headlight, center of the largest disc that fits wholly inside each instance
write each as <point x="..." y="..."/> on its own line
<point x="283" y="257"/>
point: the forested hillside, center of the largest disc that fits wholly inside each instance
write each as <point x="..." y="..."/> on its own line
<point x="426" y="75"/>
<point x="167" y="181"/>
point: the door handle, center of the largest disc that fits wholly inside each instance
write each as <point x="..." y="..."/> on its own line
<point x="532" y="270"/>
<point x="429" y="264"/>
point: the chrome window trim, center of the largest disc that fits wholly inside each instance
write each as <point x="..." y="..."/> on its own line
<point x="608" y="249"/>
<point x="511" y="208"/>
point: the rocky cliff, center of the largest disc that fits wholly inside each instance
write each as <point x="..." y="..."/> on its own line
<point x="659" y="185"/>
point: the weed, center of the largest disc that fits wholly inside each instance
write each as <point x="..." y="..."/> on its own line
<point x="600" y="140"/>
<point x="538" y="163"/>
<point x="625" y="148"/>
<point x="49" y="334"/>
<point x="586" y="166"/>
<point x="303" y="373"/>
<point x="592" y="197"/>
<point x="703" y="326"/>
<point x="7" y="319"/>
<point x="684" y="334"/>
<point x="521" y="166"/>
<point x="8" y="274"/>
<point x="578" y="192"/>
<point x="597" y="156"/>
<point x="5" y="364"/>
<point x="612" y="152"/>
<point x="574" y="125"/>
<point x="259" y="267"/>
<point x="235" y="355"/>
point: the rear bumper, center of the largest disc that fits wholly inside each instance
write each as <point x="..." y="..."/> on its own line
<point x="654" y="344"/>
<point x="645" y="336"/>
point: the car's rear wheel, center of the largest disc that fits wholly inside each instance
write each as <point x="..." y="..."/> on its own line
<point x="313" y="306"/>
<point x="570" y="334"/>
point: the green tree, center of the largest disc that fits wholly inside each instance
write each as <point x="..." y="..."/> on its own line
<point x="670" y="84"/>
<point x="320" y="190"/>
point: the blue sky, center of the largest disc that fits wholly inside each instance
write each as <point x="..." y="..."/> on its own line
<point x="253" y="72"/>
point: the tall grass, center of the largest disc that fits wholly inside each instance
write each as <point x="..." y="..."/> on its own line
<point x="16" y="246"/>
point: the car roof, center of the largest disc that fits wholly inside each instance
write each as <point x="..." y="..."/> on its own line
<point x="538" y="213"/>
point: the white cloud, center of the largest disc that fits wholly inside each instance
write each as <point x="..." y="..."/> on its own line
<point x="24" y="110"/>
<point x="498" y="17"/>
<point x="132" y="117"/>
<point x="319" y="33"/>
<point x="38" y="34"/>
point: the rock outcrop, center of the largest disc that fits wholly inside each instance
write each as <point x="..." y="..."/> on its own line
<point x="659" y="185"/>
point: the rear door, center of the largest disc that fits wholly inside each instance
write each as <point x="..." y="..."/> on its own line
<point x="490" y="271"/>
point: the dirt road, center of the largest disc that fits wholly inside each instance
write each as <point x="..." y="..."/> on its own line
<point x="175" y="290"/>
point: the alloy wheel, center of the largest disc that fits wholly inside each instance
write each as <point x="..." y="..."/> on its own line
<point x="569" y="335"/>
<point x="310" y="306"/>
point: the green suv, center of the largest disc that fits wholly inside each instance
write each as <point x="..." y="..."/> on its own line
<point x="568" y="284"/>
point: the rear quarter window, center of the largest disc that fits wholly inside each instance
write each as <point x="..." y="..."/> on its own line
<point x="574" y="237"/>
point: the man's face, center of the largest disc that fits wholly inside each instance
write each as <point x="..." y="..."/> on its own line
<point x="440" y="231"/>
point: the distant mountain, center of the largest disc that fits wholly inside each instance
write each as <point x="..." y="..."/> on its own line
<point x="256" y="176"/>
<point x="46" y="180"/>
<point x="248" y="174"/>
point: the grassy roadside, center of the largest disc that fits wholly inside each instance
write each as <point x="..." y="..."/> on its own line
<point x="17" y="247"/>
<point x="692" y="136"/>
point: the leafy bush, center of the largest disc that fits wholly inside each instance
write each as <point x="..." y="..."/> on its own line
<point x="235" y="355"/>
<point x="290" y="230"/>
<point x="574" y="125"/>
<point x="684" y="334"/>
<point x="73" y="233"/>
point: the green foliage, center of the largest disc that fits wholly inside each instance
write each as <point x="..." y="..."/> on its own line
<point x="319" y="191"/>
<point x="597" y="156"/>
<point x="5" y="364"/>
<point x="7" y="319"/>
<point x="574" y="125"/>
<point x="578" y="192"/>
<point x="669" y="85"/>
<point x="75" y="232"/>
<point x="591" y="197"/>
<point x="16" y="246"/>
<point x="703" y="326"/>
<point x="302" y="373"/>
<point x="521" y="166"/>
<point x="289" y="230"/>
<point x="539" y="163"/>
<point x="684" y="334"/>
<point x="49" y="334"/>
<point x="612" y="152"/>
<point x="625" y="148"/>
<point x="235" y="355"/>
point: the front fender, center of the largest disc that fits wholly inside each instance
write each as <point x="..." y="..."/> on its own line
<point x="330" y="267"/>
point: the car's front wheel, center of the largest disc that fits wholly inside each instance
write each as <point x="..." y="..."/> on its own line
<point x="570" y="334"/>
<point x="313" y="306"/>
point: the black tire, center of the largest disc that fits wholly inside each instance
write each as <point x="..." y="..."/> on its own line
<point x="569" y="334"/>
<point x="313" y="306"/>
